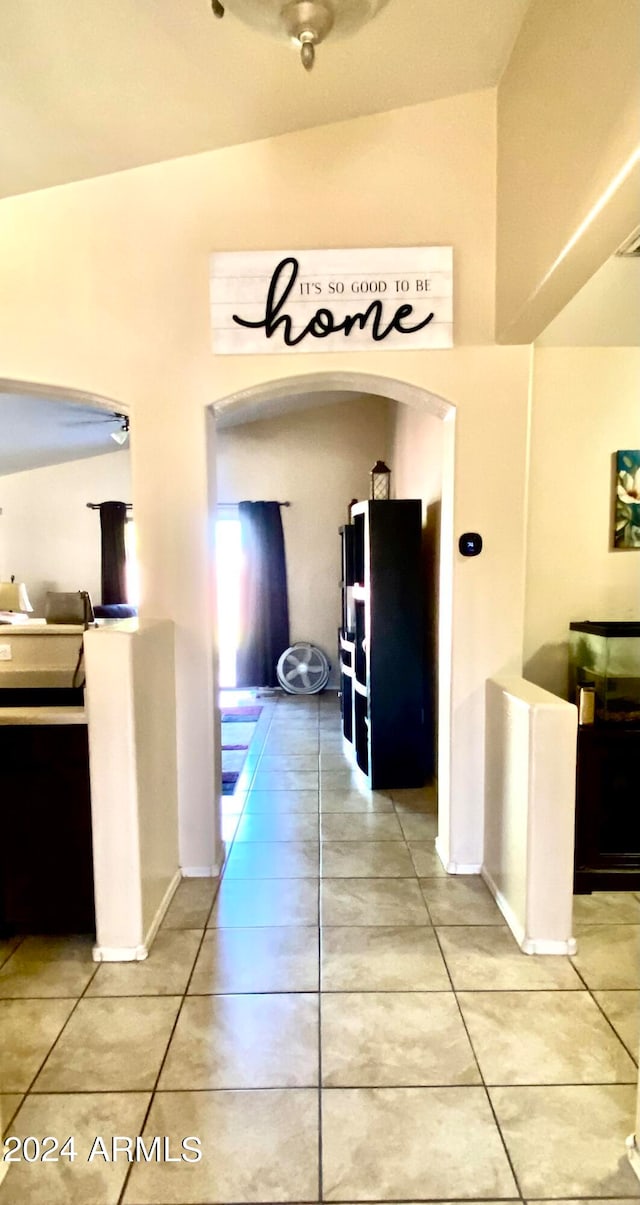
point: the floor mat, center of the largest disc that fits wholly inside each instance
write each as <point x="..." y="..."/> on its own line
<point x="238" y="730"/>
<point x="240" y="715"/>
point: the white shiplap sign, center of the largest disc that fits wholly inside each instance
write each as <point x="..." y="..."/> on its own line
<point x="386" y="298"/>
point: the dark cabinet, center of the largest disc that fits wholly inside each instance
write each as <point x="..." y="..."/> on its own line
<point x="46" y="855"/>
<point x="604" y="665"/>
<point x="607" y="856"/>
<point x="382" y="642"/>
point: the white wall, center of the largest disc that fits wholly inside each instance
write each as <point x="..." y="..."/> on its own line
<point x="116" y="302"/>
<point x="530" y="812"/>
<point x="48" y="538"/>
<point x="318" y="460"/>
<point x="131" y="714"/>
<point x="568" y="155"/>
<point x="585" y="407"/>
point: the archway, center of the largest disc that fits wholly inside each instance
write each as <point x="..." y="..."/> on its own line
<point x="277" y="398"/>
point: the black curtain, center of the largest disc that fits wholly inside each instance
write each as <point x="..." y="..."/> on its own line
<point x="265" y="619"/>
<point x="113" y="516"/>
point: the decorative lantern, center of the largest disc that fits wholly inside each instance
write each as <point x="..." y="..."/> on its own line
<point x="380" y="481"/>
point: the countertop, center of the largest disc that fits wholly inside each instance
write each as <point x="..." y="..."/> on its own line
<point x="42" y="715"/>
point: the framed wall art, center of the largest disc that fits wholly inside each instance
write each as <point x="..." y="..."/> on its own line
<point x="627" y="499"/>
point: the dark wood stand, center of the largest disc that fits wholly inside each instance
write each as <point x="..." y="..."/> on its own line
<point x="382" y="651"/>
<point x="46" y="854"/>
<point x="607" y="856"/>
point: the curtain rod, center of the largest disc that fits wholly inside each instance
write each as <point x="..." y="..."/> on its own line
<point x="97" y="505"/>
<point x="237" y="503"/>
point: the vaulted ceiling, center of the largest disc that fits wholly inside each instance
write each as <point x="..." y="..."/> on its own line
<point x="89" y="87"/>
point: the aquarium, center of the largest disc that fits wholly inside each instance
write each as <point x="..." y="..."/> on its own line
<point x="605" y="657"/>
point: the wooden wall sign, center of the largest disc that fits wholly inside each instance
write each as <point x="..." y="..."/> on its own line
<point x="389" y="298"/>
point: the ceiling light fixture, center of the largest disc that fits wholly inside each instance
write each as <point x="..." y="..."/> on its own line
<point x="122" y="435"/>
<point x="306" y="23"/>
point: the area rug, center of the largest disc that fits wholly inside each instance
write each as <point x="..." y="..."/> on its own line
<point x="234" y="752"/>
<point x="240" y="715"/>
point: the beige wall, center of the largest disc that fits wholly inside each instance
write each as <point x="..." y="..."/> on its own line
<point x="568" y="106"/>
<point x="48" y="538"/>
<point x="104" y="287"/>
<point x="318" y="460"/>
<point x="585" y="407"/>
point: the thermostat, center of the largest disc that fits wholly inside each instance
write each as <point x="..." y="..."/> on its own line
<point x="470" y="543"/>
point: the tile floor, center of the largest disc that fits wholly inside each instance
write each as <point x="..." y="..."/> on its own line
<point x="344" y="1022"/>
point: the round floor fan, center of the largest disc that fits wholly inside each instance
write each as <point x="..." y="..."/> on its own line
<point x="303" y="669"/>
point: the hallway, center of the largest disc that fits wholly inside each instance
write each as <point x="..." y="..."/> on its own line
<point x="436" y="1062"/>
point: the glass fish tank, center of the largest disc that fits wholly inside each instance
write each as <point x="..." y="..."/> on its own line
<point x="605" y="657"/>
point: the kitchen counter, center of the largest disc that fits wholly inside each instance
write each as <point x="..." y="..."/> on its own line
<point x="42" y="715"/>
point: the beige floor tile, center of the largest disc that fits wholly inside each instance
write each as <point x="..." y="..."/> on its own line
<point x="9" y="1103"/>
<point x="382" y="959"/>
<point x="85" y="1180"/>
<point x="569" y="1141"/>
<point x="7" y="946"/>
<point x="594" y="1201"/>
<point x="281" y="746"/>
<point x="606" y="908"/>
<point x="164" y="973"/>
<point x="395" y="902"/>
<point x="289" y="761"/>
<point x="364" y="826"/>
<point x="274" y="860"/>
<point x="283" y="826"/>
<point x="487" y="958"/>
<point x="420" y="827"/>
<point x="111" y="1045"/>
<point x="544" y="1038"/>
<point x="281" y="959"/>
<point x="415" y="799"/>
<point x="334" y="759"/>
<point x="269" y="902"/>
<point x="354" y="801"/>
<point x="28" y="1029"/>
<point x="48" y="966"/>
<point x="366" y="859"/>
<point x="378" y="1039"/>
<point x="191" y="904"/>
<point x="608" y="955"/>
<point x="285" y="780"/>
<point x="411" y="1144"/>
<point x="256" y="1147"/>
<point x="269" y="802"/>
<point x="623" y="1010"/>
<point x="460" y="900"/>
<point x="425" y="860"/>
<point x="255" y="1041"/>
<point x="348" y="779"/>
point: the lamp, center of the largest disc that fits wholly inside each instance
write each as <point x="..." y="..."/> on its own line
<point x="122" y="435"/>
<point x="14" y="597"/>
<point x="304" y="22"/>
<point x="380" y="481"/>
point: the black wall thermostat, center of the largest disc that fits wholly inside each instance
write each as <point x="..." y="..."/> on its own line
<point x="470" y="543"/>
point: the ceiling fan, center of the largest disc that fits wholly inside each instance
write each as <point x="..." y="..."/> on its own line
<point x="120" y="436"/>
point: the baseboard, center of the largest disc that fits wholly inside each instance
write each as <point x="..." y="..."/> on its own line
<point x="139" y="953"/>
<point x="528" y="945"/>
<point x="456" y="867"/>
<point x="200" y="872"/>
<point x="633" y="1153"/>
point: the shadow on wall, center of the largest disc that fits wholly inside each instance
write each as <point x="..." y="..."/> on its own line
<point x="430" y="563"/>
<point x="549" y="668"/>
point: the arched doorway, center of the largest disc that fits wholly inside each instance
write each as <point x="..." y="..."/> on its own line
<point x="278" y="398"/>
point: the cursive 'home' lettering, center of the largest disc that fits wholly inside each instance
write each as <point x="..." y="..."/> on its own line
<point x="323" y="322"/>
